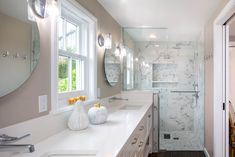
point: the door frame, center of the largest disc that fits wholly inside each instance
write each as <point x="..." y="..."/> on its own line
<point x="221" y="83"/>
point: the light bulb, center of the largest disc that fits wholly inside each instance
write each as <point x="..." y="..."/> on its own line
<point x="152" y="36"/>
<point x="123" y="51"/>
<point x="53" y="8"/>
<point x="108" y="41"/>
<point x="117" y="52"/>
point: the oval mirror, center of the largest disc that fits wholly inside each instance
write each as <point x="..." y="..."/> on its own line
<point x="112" y="66"/>
<point x="19" y="45"/>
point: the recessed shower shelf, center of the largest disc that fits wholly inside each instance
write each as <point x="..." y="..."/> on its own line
<point x="164" y="81"/>
<point x="165" y="64"/>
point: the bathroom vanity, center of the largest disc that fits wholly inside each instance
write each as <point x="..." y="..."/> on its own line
<point x="140" y="142"/>
<point x="127" y="132"/>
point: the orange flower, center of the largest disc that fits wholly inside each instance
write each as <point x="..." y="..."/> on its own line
<point x="71" y="101"/>
<point x="82" y="98"/>
<point x="77" y="98"/>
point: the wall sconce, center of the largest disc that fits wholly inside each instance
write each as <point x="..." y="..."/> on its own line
<point x="120" y="50"/>
<point x="39" y="7"/>
<point x="123" y="51"/>
<point x="53" y="8"/>
<point x="42" y="8"/>
<point x="117" y="51"/>
<point x="105" y="40"/>
<point x="5" y="53"/>
<point x="108" y="41"/>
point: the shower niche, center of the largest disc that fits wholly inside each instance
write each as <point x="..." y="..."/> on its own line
<point x="163" y="74"/>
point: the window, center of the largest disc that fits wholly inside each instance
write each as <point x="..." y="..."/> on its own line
<point x="71" y="62"/>
<point x="74" y="58"/>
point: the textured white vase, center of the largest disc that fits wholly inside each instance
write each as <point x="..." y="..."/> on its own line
<point x="78" y="119"/>
<point x="98" y="114"/>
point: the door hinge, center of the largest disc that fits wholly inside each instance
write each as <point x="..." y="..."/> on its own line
<point x="223" y="106"/>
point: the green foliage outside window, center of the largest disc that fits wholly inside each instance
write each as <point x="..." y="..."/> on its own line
<point x="63" y="74"/>
<point x="74" y="75"/>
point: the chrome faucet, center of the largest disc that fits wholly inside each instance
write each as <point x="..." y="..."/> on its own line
<point x="5" y="145"/>
<point x="116" y="98"/>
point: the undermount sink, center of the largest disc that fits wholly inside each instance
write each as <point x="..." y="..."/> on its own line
<point x="71" y="153"/>
<point x="131" y="107"/>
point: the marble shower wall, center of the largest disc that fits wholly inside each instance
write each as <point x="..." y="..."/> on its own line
<point x="174" y="66"/>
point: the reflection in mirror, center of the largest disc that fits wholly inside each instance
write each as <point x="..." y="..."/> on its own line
<point x="128" y="69"/>
<point x="112" y="66"/>
<point x="19" y="45"/>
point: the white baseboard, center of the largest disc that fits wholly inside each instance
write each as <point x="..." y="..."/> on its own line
<point x="206" y="152"/>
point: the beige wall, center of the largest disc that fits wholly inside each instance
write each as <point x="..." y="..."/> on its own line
<point x="209" y="81"/>
<point x="232" y="76"/>
<point x="22" y="104"/>
<point x="106" y="24"/>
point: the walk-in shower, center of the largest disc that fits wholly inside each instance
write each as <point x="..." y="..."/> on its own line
<point x="174" y="70"/>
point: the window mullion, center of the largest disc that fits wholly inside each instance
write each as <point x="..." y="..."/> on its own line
<point x="70" y="74"/>
<point x="77" y="75"/>
<point x="69" y="54"/>
<point x="85" y="75"/>
<point x="77" y="36"/>
<point x="64" y="31"/>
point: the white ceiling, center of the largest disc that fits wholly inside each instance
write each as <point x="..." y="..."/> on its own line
<point x="15" y="8"/>
<point x="144" y="34"/>
<point x="185" y="19"/>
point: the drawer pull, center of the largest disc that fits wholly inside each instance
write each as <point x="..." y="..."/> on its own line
<point x="134" y="141"/>
<point x="149" y="115"/>
<point x="141" y="128"/>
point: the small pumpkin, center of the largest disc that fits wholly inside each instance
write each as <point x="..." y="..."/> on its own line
<point x="98" y="114"/>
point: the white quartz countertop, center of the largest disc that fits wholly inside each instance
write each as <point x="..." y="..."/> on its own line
<point x="105" y="140"/>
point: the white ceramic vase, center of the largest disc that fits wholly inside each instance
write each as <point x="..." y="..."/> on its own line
<point x="78" y="119"/>
<point x="98" y="114"/>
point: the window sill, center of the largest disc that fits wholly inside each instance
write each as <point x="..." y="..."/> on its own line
<point x="70" y="108"/>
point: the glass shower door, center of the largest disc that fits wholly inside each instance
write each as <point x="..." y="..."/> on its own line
<point x="174" y="70"/>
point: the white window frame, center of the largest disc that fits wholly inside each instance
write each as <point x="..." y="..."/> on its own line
<point x="91" y="58"/>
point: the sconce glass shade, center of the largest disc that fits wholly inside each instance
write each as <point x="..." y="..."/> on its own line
<point x="117" y="52"/>
<point x="108" y="41"/>
<point x="120" y="50"/>
<point x="53" y="9"/>
<point x="40" y="8"/>
<point x="123" y="51"/>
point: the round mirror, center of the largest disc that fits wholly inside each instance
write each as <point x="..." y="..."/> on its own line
<point x="112" y="66"/>
<point x="19" y="45"/>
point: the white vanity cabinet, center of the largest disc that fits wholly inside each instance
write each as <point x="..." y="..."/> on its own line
<point x="140" y="142"/>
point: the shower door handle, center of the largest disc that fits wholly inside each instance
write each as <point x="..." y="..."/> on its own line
<point x="155" y="107"/>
